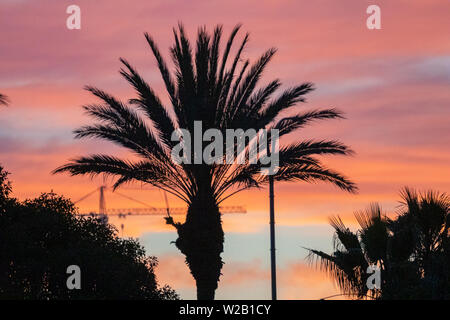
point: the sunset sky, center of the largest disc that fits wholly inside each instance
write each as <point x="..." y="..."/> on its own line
<point x="392" y="84"/>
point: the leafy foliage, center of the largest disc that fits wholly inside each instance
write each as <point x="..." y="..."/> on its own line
<point x="40" y="238"/>
<point x="412" y="250"/>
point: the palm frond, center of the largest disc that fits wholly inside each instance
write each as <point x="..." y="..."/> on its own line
<point x="202" y="65"/>
<point x="249" y="114"/>
<point x="286" y="100"/>
<point x="214" y="59"/>
<point x="96" y="164"/>
<point x="124" y="170"/>
<point x="289" y="154"/>
<point x="374" y="233"/>
<point x="225" y="95"/>
<point x="167" y="77"/>
<point x="135" y="139"/>
<point x="186" y="82"/>
<point x="226" y="53"/>
<point x="229" y="107"/>
<point x="149" y="102"/>
<point x="311" y="174"/>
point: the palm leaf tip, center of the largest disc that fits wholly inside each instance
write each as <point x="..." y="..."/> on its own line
<point x="4" y="100"/>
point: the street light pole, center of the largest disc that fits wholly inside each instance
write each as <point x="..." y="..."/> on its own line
<point x="272" y="240"/>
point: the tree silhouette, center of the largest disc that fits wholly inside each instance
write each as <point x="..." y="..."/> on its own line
<point x="221" y="92"/>
<point x="412" y="250"/>
<point x="40" y="238"/>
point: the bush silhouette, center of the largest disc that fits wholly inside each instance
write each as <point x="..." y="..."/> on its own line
<point x="40" y="238"/>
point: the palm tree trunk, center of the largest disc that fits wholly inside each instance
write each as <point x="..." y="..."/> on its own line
<point x="200" y="239"/>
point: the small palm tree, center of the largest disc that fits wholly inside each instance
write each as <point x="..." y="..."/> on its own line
<point x="221" y="93"/>
<point x="412" y="250"/>
<point x="355" y="251"/>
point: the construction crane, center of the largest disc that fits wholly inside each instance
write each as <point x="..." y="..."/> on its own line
<point x="103" y="213"/>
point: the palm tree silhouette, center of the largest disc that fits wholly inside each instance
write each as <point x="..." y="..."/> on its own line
<point x="221" y="93"/>
<point x="355" y="251"/>
<point x="412" y="250"/>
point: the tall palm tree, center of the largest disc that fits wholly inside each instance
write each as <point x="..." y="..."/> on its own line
<point x="222" y="93"/>
<point x="425" y="219"/>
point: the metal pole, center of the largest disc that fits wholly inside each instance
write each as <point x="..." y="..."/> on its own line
<point x="102" y="202"/>
<point x="272" y="240"/>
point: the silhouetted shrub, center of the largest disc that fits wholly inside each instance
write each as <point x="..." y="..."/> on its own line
<point x="40" y="238"/>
